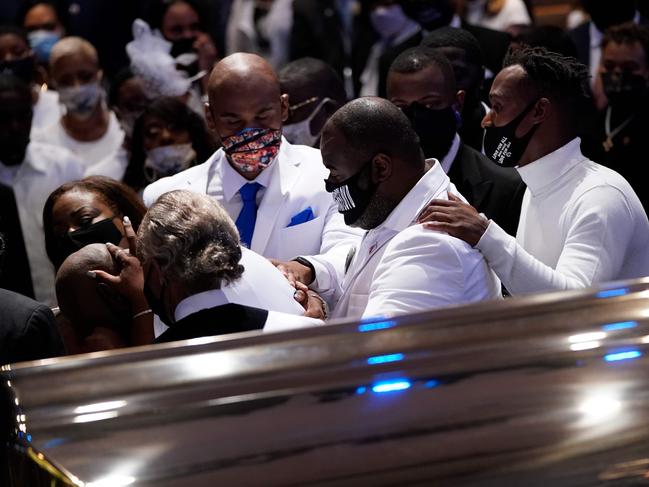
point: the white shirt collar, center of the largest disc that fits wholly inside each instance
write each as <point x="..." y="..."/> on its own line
<point x="198" y="302"/>
<point x="447" y="162"/>
<point x="416" y="199"/>
<point x="544" y="172"/>
<point x="233" y="181"/>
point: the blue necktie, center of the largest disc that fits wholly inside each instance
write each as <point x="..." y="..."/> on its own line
<point x="248" y="216"/>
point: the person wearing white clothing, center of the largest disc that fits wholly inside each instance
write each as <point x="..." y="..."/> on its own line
<point x="33" y="170"/>
<point x="87" y="127"/>
<point x="581" y="224"/>
<point x="497" y="15"/>
<point x="378" y="178"/>
<point x="273" y="190"/>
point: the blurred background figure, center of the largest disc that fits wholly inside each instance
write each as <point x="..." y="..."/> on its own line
<point x="45" y="21"/>
<point x="552" y="37"/>
<point x="88" y="211"/>
<point x="14" y="266"/>
<point x="619" y="132"/>
<point x="503" y="15"/>
<point x="315" y="92"/>
<point x="18" y="58"/>
<point x="33" y="170"/>
<point x="262" y="27"/>
<point x="463" y="50"/>
<point x="185" y="25"/>
<point x="168" y="138"/>
<point x="396" y="32"/>
<point x="87" y="127"/>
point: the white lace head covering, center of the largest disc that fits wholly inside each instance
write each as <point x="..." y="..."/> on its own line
<point x="151" y="60"/>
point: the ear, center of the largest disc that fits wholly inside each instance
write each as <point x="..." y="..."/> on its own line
<point x="209" y="118"/>
<point x="541" y="110"/>
<point x="381" y="168"/>
<point x="283" y="100"/>
<point x="459" y="100"/>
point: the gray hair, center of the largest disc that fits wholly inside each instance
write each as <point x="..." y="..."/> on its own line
<point x="192" y="239"/>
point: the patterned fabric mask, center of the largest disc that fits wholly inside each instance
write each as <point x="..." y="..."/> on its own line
<point x="252" y="149"/>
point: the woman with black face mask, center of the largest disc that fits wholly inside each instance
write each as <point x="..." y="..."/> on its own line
<point x="88" y="211"/>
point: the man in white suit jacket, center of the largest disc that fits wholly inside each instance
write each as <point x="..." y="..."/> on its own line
<point x="295" y="215"/>
<point x="379" y="180"/>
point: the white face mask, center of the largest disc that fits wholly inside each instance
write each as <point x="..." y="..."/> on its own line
<point x="300" y="132"/>
<point x="388" y="20"/>
<point x="81" y="101"/>
<point x="168" y="160"/>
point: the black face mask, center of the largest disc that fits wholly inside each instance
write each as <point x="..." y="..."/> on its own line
<point x="182" y="46"/>
<point x="501" y="144"/>
<point x="435" y="128"/>
<point x="430" y="14"/>
<point x="101" y="232"/>
<point x="625" y="91"/>
<point x="352" y="200"/>
<point x="21" y="68"/>
<point x="156" y="303"/>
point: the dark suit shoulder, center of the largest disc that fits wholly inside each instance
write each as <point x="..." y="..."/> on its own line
<point x="221" y="320"/>
<point x="28" y="330"/>
<point x="477" y="165"/>
<point x="494" y="44"/>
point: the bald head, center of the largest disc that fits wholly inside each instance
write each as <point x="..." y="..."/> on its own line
<point x="85" y="303"/>
<point x="70" y="46"/>
<point x="244" y="92"/>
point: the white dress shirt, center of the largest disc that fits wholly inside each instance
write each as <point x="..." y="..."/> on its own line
<point x="46" y="110"/>
<point x="581" y="224"/>
<point x="44" y="169"/>
<point x="225" y="189"/>
<point x="450" y="156"/>
<point x="400" y="267"/>
<point x="513" y="12"/>
<point x="261" y="286"/>
<point x="90" y="153"/>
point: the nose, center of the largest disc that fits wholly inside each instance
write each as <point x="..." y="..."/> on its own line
<point x="166" y="137"/>
<point x="487" y="120"/>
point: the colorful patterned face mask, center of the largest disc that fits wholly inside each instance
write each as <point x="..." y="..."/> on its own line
<point x="252" y="150"/>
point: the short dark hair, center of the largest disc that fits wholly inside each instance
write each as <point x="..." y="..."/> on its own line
<point x="453" y="37"/>
<point x="317" y="74"/>
<point x="552" y="37"/>
<point x="374" y="125"/>
<point x="415" y="59"/>
<point x="9" y="29"/>
<point x="559" y="78"/>
<point x="119" y="197"/>
<point x="628" y="33"/>
<point x="173" y="111"/>
<point x="56" y="5"/>
<point x="122" y="76"/>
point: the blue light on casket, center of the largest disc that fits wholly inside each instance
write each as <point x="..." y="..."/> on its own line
<point x="384" y="359"/>
<point x="626" y="355"/>
<point x="612" y="293"/>
<point x="623" y="325"/>
<point x="391" y="386"/>
<point x="377" y="325"/>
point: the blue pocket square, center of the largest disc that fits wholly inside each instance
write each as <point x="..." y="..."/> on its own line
<point x="302" y="217"/>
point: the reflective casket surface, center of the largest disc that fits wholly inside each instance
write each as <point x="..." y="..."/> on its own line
<point x="543" y="390"/>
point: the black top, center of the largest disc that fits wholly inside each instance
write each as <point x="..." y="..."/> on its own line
<point x="493" y="190"/>
<point x="221" y="320"/>
<point x="28" y="330"/>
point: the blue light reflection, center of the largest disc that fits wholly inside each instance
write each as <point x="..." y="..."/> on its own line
<point x="611" y="293"/>
<point x="391" y="386"/>
<point x="626" y="355"/>
<point x="619" y="326"/>
<point x="384" y="359"/>
<point x="378" y="325"/>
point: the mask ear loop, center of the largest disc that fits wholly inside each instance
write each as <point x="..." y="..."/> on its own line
<point x="315" y="111"/>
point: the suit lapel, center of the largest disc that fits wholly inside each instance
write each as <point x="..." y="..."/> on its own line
<point x="277" y="194"/>
<point x="465" y="174"/>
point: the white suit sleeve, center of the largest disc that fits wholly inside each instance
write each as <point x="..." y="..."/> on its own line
<point x="597" y="230"/>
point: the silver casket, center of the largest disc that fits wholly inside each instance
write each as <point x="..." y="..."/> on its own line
<point x="545" y="390"/>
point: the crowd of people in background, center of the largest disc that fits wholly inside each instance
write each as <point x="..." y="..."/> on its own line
<point x="171" y="169"/>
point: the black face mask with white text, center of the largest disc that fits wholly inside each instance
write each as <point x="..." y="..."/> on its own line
<point x="501" y="144"/>
<point x="352" y="199"/>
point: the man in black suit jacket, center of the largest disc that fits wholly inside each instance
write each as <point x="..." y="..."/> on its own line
<point x="28" y="330"/>
<point x="421" y="82"/>
<point x="190" y="253"/>
<point x="14" y="266"/>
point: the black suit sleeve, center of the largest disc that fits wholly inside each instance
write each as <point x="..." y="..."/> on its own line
<point x="40" y="338"/>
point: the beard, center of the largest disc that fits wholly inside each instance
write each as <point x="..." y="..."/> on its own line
<point x="377" y="211"/>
